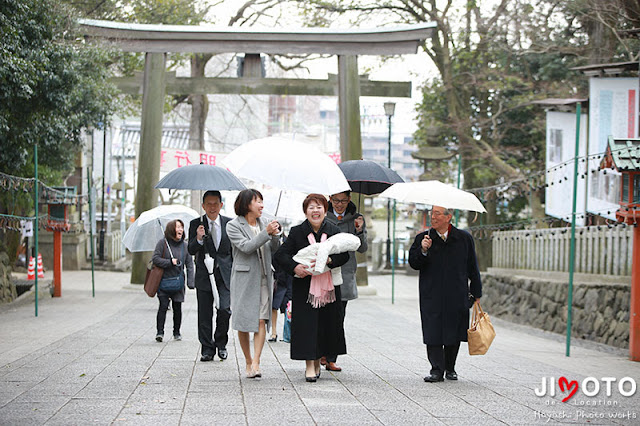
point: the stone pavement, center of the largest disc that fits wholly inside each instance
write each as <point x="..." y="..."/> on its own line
<point x="94" y="360"/>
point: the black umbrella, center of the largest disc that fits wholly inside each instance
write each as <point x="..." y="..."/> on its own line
<point x="201" y="176"/>
<point x="368" y="177"/>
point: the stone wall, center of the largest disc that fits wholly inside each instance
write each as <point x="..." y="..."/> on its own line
<point x="74" y="256"/>
<point x="600" y="308"/>
<point x="7" y="289"/>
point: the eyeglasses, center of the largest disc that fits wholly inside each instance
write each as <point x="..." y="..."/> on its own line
<point x="436" y="213"/>
<point x="333" y="200"/>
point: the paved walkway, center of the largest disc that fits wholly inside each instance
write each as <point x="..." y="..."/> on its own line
<point x="87" y="360"/>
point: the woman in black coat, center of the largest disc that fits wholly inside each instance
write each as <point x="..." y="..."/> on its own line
<point x="315" y="332"/>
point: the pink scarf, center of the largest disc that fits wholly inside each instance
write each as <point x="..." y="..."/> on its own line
<point x="321" y="290"/>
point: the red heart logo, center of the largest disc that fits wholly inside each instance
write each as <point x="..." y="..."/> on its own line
<point x="572" y="387"/>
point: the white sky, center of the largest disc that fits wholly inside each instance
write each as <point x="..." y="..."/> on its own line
<point x="415" y="68"/>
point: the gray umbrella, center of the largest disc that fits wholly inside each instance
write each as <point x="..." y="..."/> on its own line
<point x="201" y="177"/>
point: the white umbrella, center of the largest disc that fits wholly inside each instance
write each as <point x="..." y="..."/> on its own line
<point x="144" y="233"/>
<point x="283" y="205"/>
<point x="209" y="263"/>
<point x="434" y="193"/>
<point x="287" y="165"/>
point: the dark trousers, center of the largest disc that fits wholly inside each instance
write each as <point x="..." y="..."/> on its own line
<point x="333" y="357"/>
<point x="205" y="324"/>
<point x="162" y="315"/>
<point x="442" y="357"/>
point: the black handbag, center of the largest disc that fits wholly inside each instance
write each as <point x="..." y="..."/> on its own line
<point x="172" y="284"/>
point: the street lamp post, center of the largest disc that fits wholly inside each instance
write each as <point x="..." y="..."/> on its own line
<point x="389" y="109"/>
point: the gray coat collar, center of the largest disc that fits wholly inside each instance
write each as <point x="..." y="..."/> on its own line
<point x="247" y="228"/>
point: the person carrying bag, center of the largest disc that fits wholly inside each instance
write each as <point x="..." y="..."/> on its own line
<point x="171" y="285"/>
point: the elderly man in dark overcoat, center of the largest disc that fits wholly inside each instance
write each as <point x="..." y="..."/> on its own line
<point x="449" y="283"/>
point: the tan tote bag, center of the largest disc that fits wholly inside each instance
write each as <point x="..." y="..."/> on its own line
<point x="481" y="333"/>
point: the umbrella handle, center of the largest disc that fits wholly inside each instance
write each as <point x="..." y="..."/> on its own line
<point x="278" y="205"/>
<point x="165" y="240"/>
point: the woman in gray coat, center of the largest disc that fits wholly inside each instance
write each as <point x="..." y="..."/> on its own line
<point x="251" y="277"/>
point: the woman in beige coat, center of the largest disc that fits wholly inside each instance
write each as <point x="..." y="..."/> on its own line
<point x="253" y="240"/>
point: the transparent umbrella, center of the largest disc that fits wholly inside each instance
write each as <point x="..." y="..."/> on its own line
<point x="144" y="233"/>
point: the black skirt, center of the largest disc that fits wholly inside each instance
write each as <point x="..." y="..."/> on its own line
<point x="315" y="332"/>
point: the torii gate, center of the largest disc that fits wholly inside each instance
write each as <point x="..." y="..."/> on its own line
<point x="157" y="40"/>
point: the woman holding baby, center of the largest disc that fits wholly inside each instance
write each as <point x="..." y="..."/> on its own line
<point x="316" y="317"/>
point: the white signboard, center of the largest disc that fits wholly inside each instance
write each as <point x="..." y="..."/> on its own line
<point x="613" y="111"/>
<point x="27" y="228"/>
<point x="561" y="149"/>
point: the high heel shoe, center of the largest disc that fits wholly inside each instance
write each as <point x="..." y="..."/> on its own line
<point x="252" y="374"/>
<point x="311" y="379"/>
<point x="273" y="338"/>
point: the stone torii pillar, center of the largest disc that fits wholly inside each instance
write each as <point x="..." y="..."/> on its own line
<point x="151" y="137"/>
<point x="350" y="136"/>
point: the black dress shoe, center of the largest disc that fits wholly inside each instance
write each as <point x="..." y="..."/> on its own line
<point x="222" y="353"/>
<point x="432" y="378"/>
<point x="311" y="379"/>
<point x="273" y="338"/>
<point x="451" y="375"/>
<point x="206" y="357"/>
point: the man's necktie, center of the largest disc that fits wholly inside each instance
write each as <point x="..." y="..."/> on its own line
<point x="339" y="217"/>
<point x="214" y="235"/>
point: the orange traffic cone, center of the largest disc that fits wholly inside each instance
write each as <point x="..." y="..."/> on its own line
<point x="31" y="272"/>
<point x="40" y="267"/>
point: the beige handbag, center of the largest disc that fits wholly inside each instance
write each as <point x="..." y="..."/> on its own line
<point x="481" y="333"/>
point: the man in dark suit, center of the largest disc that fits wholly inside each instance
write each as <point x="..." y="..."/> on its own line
<point x="449" y="282"/>
<point x="208" y="234"/>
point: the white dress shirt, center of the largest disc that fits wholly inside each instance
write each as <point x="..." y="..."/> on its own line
<point x="218" y="224"/>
